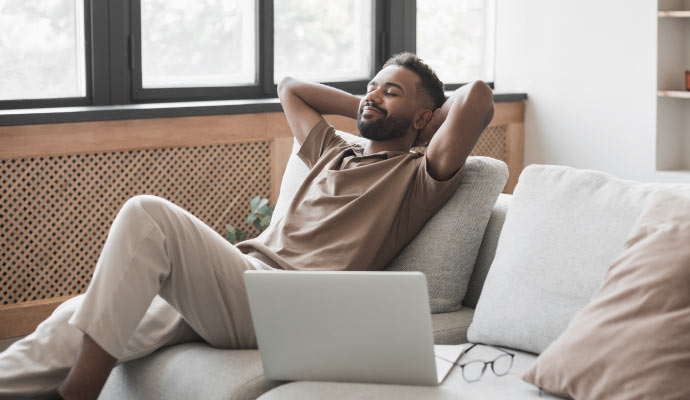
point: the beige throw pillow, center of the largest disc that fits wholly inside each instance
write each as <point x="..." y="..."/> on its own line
<point x="632" y="341"/>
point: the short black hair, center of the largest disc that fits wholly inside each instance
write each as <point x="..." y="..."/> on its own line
<point x="430" y="84"/>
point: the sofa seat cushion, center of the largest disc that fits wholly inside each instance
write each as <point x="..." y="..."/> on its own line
<point x="196" y="370"/>
<point x="190" y="371"/>
<point x="451" y="327"/>
<point x="454" y="387"/>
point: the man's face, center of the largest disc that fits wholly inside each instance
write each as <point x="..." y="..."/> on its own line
<point x="387" y="110"/>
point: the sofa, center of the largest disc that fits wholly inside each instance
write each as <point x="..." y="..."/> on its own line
<point x="512" y="271"/>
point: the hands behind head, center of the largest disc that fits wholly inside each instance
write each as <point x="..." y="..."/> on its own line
<point x="430" y="128"/>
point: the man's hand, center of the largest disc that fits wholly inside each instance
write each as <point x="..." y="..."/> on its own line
<point x="455" y="127"/>
<point x="304" y="104"/>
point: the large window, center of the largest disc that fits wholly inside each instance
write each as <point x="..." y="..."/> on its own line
<point x="457" y="38"/>
<point x="198" y="43"/>
<point x="325" y="41"/>
<point x="42" y="49"/>
<point x="84" y="52"/>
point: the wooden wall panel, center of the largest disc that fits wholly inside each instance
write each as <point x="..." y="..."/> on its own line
<point x="280" y="153"/>
<point x="21" y="319"/>
<point x="85" y="137"/>
<point x="58" y="209"/>
<point x="515" y="153"/>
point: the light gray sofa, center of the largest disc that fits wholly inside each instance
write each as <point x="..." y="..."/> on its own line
<point x="542" y="254"/>
<point x="195" y="370"/>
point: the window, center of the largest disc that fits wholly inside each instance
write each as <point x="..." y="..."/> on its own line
<point x="457" y="38"/>
<point x="324" y="41"/>
<point x="194" y="49"/>
<point x="42" y="51"/>
<point x="198" y="43"/>
<point x="81" y="52"/>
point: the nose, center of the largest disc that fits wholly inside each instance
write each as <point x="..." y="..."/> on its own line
<point x="373" y="96"/>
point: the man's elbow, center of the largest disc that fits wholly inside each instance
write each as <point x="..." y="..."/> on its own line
<point x="483" y="99"/>
<point x="284" y="85"/>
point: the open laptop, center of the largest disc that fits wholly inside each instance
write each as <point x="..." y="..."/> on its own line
<point x="370" y="327"/>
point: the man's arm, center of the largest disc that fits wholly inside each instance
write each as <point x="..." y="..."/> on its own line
<point x="304" y="104"/>
<point x="455" y="128"/>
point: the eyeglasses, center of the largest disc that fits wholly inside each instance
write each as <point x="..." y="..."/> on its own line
<point x="472" y="371"/>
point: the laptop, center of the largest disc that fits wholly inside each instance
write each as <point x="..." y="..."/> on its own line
<point x="369" y="327"/>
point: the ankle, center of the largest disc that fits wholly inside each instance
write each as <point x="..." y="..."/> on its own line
<point x="89" y="373"/>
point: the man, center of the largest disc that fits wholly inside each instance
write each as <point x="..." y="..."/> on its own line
<point x="164" y="277"/>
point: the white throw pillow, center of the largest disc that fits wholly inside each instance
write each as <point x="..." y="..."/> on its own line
<point x="446" y="247"/>
<point x="562" y="231"/>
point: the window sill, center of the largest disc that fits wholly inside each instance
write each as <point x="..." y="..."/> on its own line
<point x="159" y="110"/>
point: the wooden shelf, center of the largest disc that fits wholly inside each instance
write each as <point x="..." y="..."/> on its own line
<point x="674" y="14"/>
<point x="674" y="93"/>
<point x="672" y="101"/>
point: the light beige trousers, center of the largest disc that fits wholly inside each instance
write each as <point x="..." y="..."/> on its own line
<point x="163" y="277"/>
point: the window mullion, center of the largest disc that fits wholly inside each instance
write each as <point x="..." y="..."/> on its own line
<point x="265" y="51"/>
<point x="402" y="26"/>
<point x="119" y="32"/>
<point x="100" y="57"/>
<point x="381" y="35"/>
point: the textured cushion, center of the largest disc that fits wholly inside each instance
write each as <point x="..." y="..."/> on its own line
<point x="196" y="370"/>
<point x="487" y="250"/>
<point x="563" y="229"/>
<point x="190" y="371"/>
<point x="631" y="341"/>
<point x="451" y="327"/>
<point x="453" y="388"/>
<point x="447" y="246"/>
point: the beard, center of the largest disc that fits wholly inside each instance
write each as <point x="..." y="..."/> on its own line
<point x="383" y="128"/>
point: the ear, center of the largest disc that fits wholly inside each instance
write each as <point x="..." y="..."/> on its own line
<point x="422" y="117"/>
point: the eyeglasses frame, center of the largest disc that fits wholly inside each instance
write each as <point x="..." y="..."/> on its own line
<point x="462" y="366"/>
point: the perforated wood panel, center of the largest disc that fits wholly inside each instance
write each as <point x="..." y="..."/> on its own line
<point x="492" y="143"/>
<point x="55" y="212"/>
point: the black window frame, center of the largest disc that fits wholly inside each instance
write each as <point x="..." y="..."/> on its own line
<point x="113" y="58"/>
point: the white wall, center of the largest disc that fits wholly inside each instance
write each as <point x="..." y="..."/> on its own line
<point x="589" y="70"/>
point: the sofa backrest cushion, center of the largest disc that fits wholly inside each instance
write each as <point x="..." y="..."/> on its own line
<point x="447" y="246"/>
<point x="487" y="251"/>
<point x="562" y="231"/>
<point x="635" y="328"/>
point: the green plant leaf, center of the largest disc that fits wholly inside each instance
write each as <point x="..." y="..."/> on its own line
<point x="259" y="218"/>
<point x="259" y="205"/>
<point x="253" y="203"/>
<point x="231" y="234"/>
<point x="251" y="218"/>
<point x="264" y="210"/>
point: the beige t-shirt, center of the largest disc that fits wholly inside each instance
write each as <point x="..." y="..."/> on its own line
<point x="352" y="212"/>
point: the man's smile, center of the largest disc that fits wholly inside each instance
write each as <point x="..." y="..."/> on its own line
<point x="373" y="109"/>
